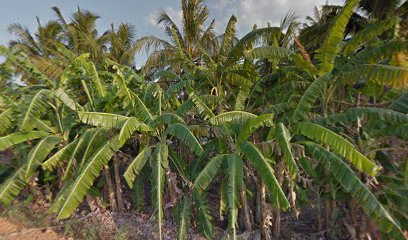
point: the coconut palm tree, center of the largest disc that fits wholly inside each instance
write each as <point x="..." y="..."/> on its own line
<point x="122" y="45"/>
<point x="319" y="25"/>
<point x="189" y="38"/>
<point x="379" y="9"/>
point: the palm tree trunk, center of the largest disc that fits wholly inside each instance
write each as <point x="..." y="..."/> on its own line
<point x="111" y="191"/>
<point x="118" y="184"/>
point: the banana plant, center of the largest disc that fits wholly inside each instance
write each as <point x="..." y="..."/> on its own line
<point x="48" y="118"/>
<point x="37" y="120"/>
<point x="321" y="135"/>
<point x="145" y="115"/>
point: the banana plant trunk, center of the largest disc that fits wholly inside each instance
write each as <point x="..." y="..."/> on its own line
<point x="328" y="207"/>
<point x="261" y="209"/>
<point x="111" y="191"/>
<point x="245" y="209"/>
<point x="171" y="178"/>
<point x="265" y="229"/>
<point x="276" y="210"/>
<point x="118" y="184"/>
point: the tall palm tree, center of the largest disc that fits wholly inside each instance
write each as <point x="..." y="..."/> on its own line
<point x="122" y="46"/>
<point x="41" y="42"/>
<point x="80" y="34"/>
<point x="378" y="8"/>
<point x="189" y="38"/>
<point x="319" y="24"/>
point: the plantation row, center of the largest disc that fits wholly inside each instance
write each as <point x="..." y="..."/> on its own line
<point x="265" y="119"/>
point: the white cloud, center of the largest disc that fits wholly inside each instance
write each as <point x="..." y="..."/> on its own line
<point x="152" y="19"/>
<point x="175" y="15"/>
<point x="260" y="12"/>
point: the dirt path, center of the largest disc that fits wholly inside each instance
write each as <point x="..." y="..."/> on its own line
<point x="12" y="231"/>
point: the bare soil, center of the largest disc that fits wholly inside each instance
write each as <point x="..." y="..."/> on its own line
<point x="33" y="222"/>
<point x="14" y="231"/>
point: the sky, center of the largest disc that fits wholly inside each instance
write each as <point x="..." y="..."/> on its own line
<point x="143" y="14"/>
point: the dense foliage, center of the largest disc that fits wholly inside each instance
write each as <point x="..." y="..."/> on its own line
<point x="270" y="122"/>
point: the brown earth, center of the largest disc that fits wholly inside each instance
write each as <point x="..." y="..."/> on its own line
<point x="15" y="231"/>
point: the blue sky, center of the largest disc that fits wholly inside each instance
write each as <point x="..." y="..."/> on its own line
<point x="143" y="13"/>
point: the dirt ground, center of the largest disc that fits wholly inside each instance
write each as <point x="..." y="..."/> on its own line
<point x="15" y="231"/>
<point x="33" y="222"/>
<point x="135" y="226"/>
